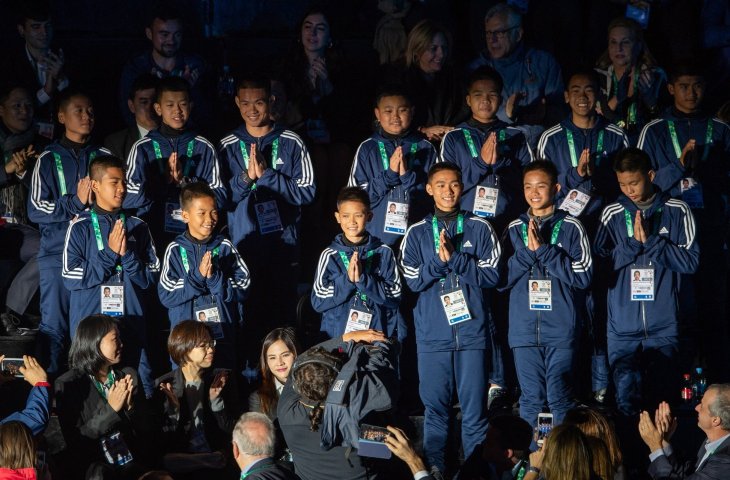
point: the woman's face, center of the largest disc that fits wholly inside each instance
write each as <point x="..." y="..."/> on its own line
<point x="315" y="33"/>
<point x="279" y="359"/>
<point x="622" y="47"/>
<point x="111" y="347"/>
<point x="432" y="60"/>
<point x="202" y="354"/>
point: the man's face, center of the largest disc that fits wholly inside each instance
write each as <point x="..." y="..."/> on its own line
<point x="636" y="185"/>
<point x="445" y="188"/>
<point x="17" y="111"/>
<point x="581" y="95"/>
<point x="484" y="99"/>
<point x="201" y="216"/>
<point x="688" y="92"/>
<point x="77" y="116"/>
<point x="38" y="34"/>
<point x="705" y="420"/>
<point x="110" y="190"/>
<point x="166" y="36"/>
<point x="502" y="38"/>
<point x="174" y="108"/>
<point x="254" y="105"/>
<point x="141" y="107"/>
<point x="539" y="189"/>
<point x="395" y="114"/>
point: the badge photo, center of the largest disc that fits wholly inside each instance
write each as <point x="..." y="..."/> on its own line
<point x="575" y="202"/>
<point x="267" y="214"/>
<point x="112" y="299"/>
<point x="485" y="201"/>
<point x="173" y="218"/>
<point x="455" y="306"/>
<point x="396" y="218"/>
<point x="358" y="320"/>
<point x="540" y="294"/>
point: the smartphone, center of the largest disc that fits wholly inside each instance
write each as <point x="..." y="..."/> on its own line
<point x="12" y="365"/>
<point x="371" y="442"/>
<point x="544" y="427"/>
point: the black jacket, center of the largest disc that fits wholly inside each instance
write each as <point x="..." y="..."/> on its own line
<point x="268" y="469"/>
<point x="120" y="143"/>
<point x="717" y="465"/>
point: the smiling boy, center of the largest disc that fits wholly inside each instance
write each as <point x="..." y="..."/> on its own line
<point x="108" y="251"/>
<point x="456" y="254"/>
<point x="202" y="272"/>
<point x="551" y="263"/>
<point x="357" y="275"/>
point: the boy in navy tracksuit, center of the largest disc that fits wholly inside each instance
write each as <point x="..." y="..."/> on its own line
<point x="550" y="264"/>
<point x="391" y="166"/>
<point x="165" y="160"/>
<point x="690" y="151"/>
<point x="109" y="262"/>
<point x="582" y="148"/>
<point x="447" y="259"/>
<point x="357" y="285"/>
<point x="60" y="190"/>
<point x="203" y="276"/>
<point x="270" y="177"/>
<point x="648" y="239"/>
<point x="490" y="153"/>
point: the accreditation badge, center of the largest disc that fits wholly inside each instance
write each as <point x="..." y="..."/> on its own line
<point x="642" y="284"/>
<point x="575" y="202"/>
<point x="206" y="310"/>
<point x="396" y="218"/>
<point x="692" y="193"/>
<point x="485" y="201"/>
<point x="540" y="294"/>
<point x="173" y="218"/>
<point x="112" y="299"/>
<point x="267" y="215"/>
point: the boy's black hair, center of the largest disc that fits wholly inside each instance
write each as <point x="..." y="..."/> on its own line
<point x="488" y="73"/>
<point x="583" y="72"/>
<point x="353" y="194"/>
<point x="632" y="159"/>
<point x="542" y="166"/>
<point x="689" y="67"/>
<point x="392" y="91"/>
<point x="85" y="353"/>
<point x="100" y="164"/>
<point x="165" y="10"/>
<point x="441" y="166"/>
<point x="171" y="84"/>
<point x="194" y="190"/>
<point x="254" y="82"/>
<point x="7" y="88"/>
<point x="65" y="97"/>
<point x="143" y="82"/>
<point x="38" y="10"/>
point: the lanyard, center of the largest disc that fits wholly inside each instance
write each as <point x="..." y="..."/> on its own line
<point x="101" y="387"/>
<point x="436" y="236"/>
<point x="384" y="155"/>
<point x="158" y="156"/>
<point x="184" y="257"/>
<point x="571" y="146"/>
<point x="251" y="472"/>
<point x="470" y="141"/>
<point x="97" y="230"/>
<point x="553" y="235"/>
<point x="59" y="169"/>
<point x="632" y="106"/>
<point x="675" y="140"/>
<point x="630" y="225"/>
<point x="274" y="153"/>
<point x="368" y="265"/>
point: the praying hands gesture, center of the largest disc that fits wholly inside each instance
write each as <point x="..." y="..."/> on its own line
<point x="585" y="164"/>
<point x="639" y="232"/>
<point x="355" y="269"/>
<point x="445" y="247"/>
<point x="118" y="239"/>
<point x="397" y="163"/>
<point x="533" y="236"/>
<point x="489" y="149"/>
<point x="54" y="70"/>
<point x="255" y="169"/>
<point x="175" y="169"/>
<point x="120" y="394"/>
<point x="687" y="152"/>
<point x="83" y="190"/>
<point x="206" y="265"/>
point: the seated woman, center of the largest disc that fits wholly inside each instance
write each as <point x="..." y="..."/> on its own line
<point x="17" y="452"/>
<point x="191" y="405"/>
<point x="278" y="353"/>
<point x="320" y="429"/>
<point x="101" y="409"/>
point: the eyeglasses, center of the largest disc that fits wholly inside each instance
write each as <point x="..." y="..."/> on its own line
<point x="206" y="345"/>
<point x="499" y="34"/>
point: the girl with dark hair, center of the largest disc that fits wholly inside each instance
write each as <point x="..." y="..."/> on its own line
<point x="192" y="407"/>
<point x="318" y="433"/>
<point x="278" y="353"/>
<point x="101" y="408"/>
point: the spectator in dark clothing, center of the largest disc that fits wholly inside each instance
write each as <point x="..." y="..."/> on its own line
<point x="141" y="99"/>
<point x="36" y="412"/>
<point x="253" y="447"/>
<point x="715" y="20"/>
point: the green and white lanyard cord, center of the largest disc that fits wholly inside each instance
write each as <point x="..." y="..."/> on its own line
<point x="102" y="387"/>
<point x="678" y="148"/>
<point x="631" y="119"/>
<point x="97" y="233"/>
<point x="437" y="236"/>
<point x="274" y="155"/>
<point x="571" y="146"/>
<point x="368" y="266"/>
<point x="553" y="235"/>
<point x="384" y="155"/>
<point x="501" y="136"/>
<point x="186" y="263"/>
<point x="158" y="156"/>
<point x="59" y="170"/>
<point x="630" y="224"/>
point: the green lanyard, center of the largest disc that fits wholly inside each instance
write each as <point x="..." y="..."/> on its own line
<point x="97" y="230"/>
<point x="59" y="169"/>
<point x="675" y="140"/>
<point x="632" y="107"/>
<point x="384" y="155"/>
<point x="184" y="257"/>
<point x="158" y="156"/>
<point x="571" y="146"/>
<point x="470" y="141"/>
<point x="100" y="386"/>
<point x="251" y="472"/>
<point x="274" y="153"/>
<point x="553" y="235"/>
<point x="368" y="265"/>
<point x="630" y="224"/>
<point x="437" y="237"/>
